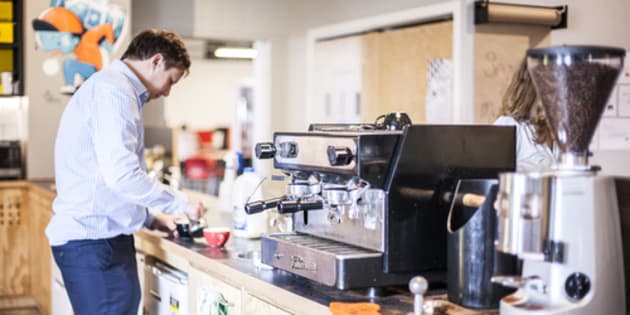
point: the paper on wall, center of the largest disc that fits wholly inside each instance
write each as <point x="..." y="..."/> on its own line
<point x="623" y="100"/>
<point x="439" y="86"/>
<point x="614" y="134"/>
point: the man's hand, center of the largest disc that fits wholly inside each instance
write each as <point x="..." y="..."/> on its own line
<point x="166" y="222"/>
<point x="195" y="209"/>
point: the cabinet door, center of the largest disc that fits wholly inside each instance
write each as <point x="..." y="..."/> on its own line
<point x="207" y="295"/>
<point x="40" y="212"/>
<point x="14" y="246"/>
<point x="255" y="306"/>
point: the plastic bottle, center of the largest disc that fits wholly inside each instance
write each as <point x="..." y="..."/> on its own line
<point x="225" y="188"/>
<point x="246" y="186"/>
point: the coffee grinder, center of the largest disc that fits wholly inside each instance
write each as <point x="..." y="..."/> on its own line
<point x="564" y="223"/>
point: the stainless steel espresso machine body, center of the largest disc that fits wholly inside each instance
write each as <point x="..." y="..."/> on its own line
<point x="564" y="223"/>
<point x="370" y="205"/>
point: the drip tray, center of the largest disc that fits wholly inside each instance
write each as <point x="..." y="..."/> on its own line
<point x="328" y="262"/>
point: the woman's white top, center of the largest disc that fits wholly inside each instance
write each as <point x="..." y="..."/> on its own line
<point x="530" y="156"/>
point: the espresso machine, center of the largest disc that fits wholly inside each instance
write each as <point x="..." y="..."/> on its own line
<point x="370" y="201"/>
<point x="564" y="223"/>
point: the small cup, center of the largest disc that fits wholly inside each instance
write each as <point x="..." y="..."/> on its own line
<point x="216" y="236"/>
<point x="183" y="228"/>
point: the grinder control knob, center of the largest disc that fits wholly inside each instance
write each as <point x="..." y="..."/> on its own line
<point x="418" y="286"/>
<point x="338" y="156"/>
<point x="265" y="150"/>
<point x="577" y="286"/>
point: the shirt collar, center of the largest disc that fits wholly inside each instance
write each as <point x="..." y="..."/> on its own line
<point x="142" y="92"/>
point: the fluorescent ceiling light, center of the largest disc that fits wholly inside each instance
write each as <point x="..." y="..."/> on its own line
<point x="229" y="52"/>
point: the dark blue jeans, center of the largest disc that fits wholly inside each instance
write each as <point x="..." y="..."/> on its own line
<point x="101" y="276"/>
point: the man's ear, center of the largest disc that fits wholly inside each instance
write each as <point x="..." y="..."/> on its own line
<point x="155" y="60"/>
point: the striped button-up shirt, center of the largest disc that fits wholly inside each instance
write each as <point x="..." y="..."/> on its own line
<point x="102" y="186"/>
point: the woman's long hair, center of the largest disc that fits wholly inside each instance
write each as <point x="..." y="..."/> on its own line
<point x="521" y="102"/>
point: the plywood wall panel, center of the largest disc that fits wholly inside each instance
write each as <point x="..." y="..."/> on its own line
<point x="405" y="55"/>
<point x="499" y="49"/>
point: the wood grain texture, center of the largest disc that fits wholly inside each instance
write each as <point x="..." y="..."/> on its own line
<point x="14" y="244"/>
<point x="40" y="212"/>
<point x="17" y="302"/>
<point x="499" y="49"/>
<point x="404" y="59"/>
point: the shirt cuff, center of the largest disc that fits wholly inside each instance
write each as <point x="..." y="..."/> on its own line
<point x="148" y="221"/>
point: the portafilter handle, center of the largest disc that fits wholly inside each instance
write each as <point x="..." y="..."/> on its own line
<point x="292" y="206"/>
<point x="262" y="205"/>
<point x="265" y="150"/>
<point x="418" y="286"/>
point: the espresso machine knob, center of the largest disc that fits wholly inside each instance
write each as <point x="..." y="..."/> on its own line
<point x="338" y="156"/>
<point x="265" y="150"/>
<point x="577" y="286"/>
<point x="418" y="286"/>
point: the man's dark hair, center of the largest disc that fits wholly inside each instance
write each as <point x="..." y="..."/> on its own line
<point x="150" y="42"/>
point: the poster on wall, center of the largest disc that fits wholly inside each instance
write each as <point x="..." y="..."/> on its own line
<point x="79" y="36"/>
<point x="439" y="86"/>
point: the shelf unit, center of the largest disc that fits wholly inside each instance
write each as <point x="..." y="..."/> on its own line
<point x="12" y="47"/>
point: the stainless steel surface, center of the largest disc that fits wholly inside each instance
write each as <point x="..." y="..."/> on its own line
<point x="325" y="261"/>
<point x="523" y="213"/>
<point x="312" y="150"/>
<point x="359" y="224"/>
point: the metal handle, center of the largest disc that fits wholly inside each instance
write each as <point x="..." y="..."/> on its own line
<point x="155" y="295"/>
<point x="418" y="286"/>
<point x="262" y="205"/>
<point x="291" y="206"/>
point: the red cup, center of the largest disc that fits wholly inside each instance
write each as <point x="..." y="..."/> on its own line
<point x="216" y="236"/>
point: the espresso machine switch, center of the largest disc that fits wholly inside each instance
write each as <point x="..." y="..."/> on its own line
<point x="338" y="156"/>
<point x="577" y="286"/>
<point x="265" y="150"/>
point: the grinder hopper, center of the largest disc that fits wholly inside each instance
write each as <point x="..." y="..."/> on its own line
<point x="574" y="84"/>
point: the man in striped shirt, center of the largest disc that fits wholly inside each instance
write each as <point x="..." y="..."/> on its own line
<point x="103" y="190"/>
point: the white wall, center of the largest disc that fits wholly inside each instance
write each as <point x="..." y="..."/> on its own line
<point x="206" y="98"/>
<point x="45" y="102"/>
<point x="284" y="23"/>
<point x="589" y="22"/>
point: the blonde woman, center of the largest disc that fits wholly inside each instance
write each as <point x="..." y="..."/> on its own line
<point x="522" y="108"/>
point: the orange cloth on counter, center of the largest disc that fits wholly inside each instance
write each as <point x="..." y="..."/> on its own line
<point x="360" y="308"/>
